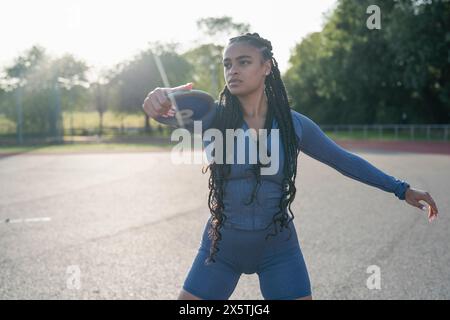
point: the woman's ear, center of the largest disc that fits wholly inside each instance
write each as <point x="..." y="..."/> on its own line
<point x="268" y="68"/>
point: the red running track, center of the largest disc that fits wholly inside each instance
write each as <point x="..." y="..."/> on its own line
<point x="436" y="147"/>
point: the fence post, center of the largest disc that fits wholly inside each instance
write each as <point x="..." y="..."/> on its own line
<point x="19" y="129"/>
<point x="71" y="127"/>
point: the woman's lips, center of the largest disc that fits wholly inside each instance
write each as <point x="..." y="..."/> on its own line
<point x="235" y="83"/>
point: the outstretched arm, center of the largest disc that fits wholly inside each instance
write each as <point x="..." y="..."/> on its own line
<point x="315" y="143"/>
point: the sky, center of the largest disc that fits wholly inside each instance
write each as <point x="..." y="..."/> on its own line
<point x="104" y="33"/>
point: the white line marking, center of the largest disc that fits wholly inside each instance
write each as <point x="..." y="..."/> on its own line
<point x="43" y="219"/>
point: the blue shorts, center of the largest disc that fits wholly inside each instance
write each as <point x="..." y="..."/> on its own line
<point x="279" y="264"/>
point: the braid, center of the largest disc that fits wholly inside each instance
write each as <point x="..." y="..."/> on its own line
<point x="230" y="117"/>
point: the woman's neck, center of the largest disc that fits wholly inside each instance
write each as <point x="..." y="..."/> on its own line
<point x="254" y="105"/>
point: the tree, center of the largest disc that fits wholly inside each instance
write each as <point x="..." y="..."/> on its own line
<point x="206" y="58"/>
<point x="348" y="73"/>
<point x="134" y="79"/>
<point x="218" y="28"/>
<point x="206" y="61"/>
<point x="419" y="39"/>
<point x="39" y="90"/>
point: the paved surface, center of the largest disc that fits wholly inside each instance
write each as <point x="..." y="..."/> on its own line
<point x="130" y="224"/>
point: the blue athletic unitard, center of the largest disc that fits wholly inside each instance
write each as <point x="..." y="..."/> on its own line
<point x="278" y="261"/>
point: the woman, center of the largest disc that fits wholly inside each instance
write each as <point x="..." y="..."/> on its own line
<point x="244" y="204"/>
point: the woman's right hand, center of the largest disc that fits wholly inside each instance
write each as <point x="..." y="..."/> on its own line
<point x="157" y="102"/>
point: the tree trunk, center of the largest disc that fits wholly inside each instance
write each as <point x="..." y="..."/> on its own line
<point x="148" y="128"/>
<point x="100" y="124"/>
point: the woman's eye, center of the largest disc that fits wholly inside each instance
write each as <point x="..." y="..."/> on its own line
<point x="227" y="65"/>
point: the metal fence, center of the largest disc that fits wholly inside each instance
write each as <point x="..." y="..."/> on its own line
<point x="392" y="131"/>
<point x="431" y="132"/>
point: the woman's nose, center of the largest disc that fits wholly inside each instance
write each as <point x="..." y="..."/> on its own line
<point x="233" y="69"/>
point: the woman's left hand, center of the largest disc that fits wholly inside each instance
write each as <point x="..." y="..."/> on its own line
<point x="413" y="196"/>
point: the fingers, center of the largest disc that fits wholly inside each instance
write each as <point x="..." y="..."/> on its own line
<point x="163" y="99"/>
<point x="414" y="198"/>
<point x="148" y="108"/>
<point x="421" y="206"/>
<point x="432" y="211"/>
<point x="432" y="208"/>
<point x="157" y="102"/>
<point x="164" y="102"/>
<point x="431" y="202"/>
<point x="187" y="86"/>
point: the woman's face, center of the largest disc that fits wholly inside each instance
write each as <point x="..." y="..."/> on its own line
<point x="243" y="63"/>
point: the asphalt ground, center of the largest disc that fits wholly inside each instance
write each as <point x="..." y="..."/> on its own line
<point x="128" y="226"/>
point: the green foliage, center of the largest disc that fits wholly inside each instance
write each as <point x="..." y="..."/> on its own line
<point x="348" y="73"/>
<point x="34" y="78"/>
<point x="134" y="79"/>
<point x="218" y="27"/>
<point x="208" y="71"/>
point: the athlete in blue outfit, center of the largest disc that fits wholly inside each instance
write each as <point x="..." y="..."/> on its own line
<point x="250" y="210"/>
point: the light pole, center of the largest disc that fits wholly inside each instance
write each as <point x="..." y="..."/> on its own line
<point x="57" y="116"/>
<point x="18" y="94"/>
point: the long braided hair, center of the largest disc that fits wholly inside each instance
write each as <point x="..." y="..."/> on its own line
<point x="230" y="116"/>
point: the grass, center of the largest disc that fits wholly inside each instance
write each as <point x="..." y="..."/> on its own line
<point x="6" y="125"/>
<point x="110" y="119"/>
<point x="89" y="120"/>
<point x="132" y="142"/>
<point x="85" y="148"/>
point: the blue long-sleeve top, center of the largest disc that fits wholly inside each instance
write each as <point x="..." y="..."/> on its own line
<point x="313" y="142"/>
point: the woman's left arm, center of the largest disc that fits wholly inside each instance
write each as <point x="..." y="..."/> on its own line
<point x="315" y="143"/>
